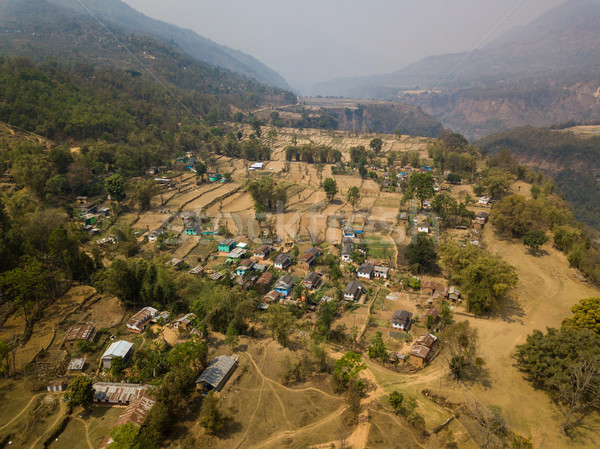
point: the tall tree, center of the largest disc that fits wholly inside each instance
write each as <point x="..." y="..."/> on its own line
<point x="353" y="196"/>
<point x="420" y="185"/>
<point x="144" y="191"/>
<point x="115" y="186"/>
<point x="461" y="341"/>
<point x="330" y="187"/>
<point x="81" y="392"/>
<point x="376" y="144"/>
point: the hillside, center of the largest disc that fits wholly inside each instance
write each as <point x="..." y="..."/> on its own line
<point x="118" y="13"/>
<point x="572" y="160"/>
<point x="41" y="31"/>
<point x="542" y="73"/>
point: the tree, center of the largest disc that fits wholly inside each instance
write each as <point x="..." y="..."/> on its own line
<point x="396" y="400"/>
<point x="420" y="185"/>
<point x="281" y="322"/>
<point x="421" y="255"/>
<point x="496" y="182"/>
<point x="483" y="277"/>
<point x="346" y="369"/>
<point x="535" y="239"/>
<point x="80" y="392"/>
<point x="117" y="366"/>
<point x="326" y="316"/>
<point x="200" y="170"/>
<point x="353" y="196"/>
<point x="378" y="350"/>
<point x="376" y="144"/>
<point x="330" y="188"/>
<point x="144" y="191"/>
<point x="231" y="335"/>
<point x="115" y="186"/>
<point x="211" y="417"/>
<point x="516" y="215"/>
<point x="586" y="315"/>
<point x="461" y="341"/>
<point x="566" y="363"/>
<point x="124" y="436"/>
<point x="264" y="191"/>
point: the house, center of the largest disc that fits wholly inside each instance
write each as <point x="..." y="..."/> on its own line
<point x="137" y="323"/>
<point x="285" y="285"/>
<point x="104" y="211"/>
<point x="227" y="245"/>
<point x="262" y="252"/>
<point x="403" y="218"/>
<point x="484" y="201"/>
<point x="81" y="200"/>
<point x="135" y="413"/>
<point x="175" y="262"/>
<point x="272" y="296"/>
<point x="185" y="322"/>
<point x="114" y="393"/>
<point x="76" y="365"/>
<point x="153" y="236"/>
<point x="119" y="348"/>
<point x="215" y="276"/>
<point x="427" y="205"/>
<point x="57" y="385"/>
<point x="263" y="282"/>
<point x="433" y="313"/>
<point x="193" y="229"/>
<point x="429" y="287"/>
<point x="423" y="227"/>
<point x="348" y="232"/>
<point x="236" y="254"/>
<point x="257" y="166"/>
<point x="283" y="261"/>
<point x="453" y="294"/>
<point x="365" y="271"/>
<point x="312" y="281"/>
<point x="307" y="259"/>
<point x="244" y="267"/>
<point x="380" y="272"/>
<point x="483" y="215"/>
<point x="353" y="291"/>
<point x="419" y="355"/>
<point x="214" y="177"/>
<point x="188" y="216"/>
<point x="422" y="349"/>
<point x="80" y="332"/>
<point x="198" y="269"/>
<point x="87" y="208"/>
<point x="478" y="223"/>
<point x="347" y="249"/>
<point x="401" y="320"/>
<point x="217" y="373"/>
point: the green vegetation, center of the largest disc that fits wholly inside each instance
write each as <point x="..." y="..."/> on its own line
<point x="313" y="154"/>
<point x="421" y="255"/>
<point x="353" y="196"/>
<point x="586" y="315"/>
<point x="571" y="160"/>
<point x="565" y="363"/>
<point x="483" y="277"/>
<point x="535" y="239"/>
<point x="330" y="188"/>
<point x="267" y="195"/>
<point x="420" y="186"/>
<point x="461" y="340"/>
<point x="80" y="392"/>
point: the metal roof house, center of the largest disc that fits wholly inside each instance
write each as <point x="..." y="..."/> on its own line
<point x="227" y="245"/>
<point x="352" y="291"/>
<point x="80" y="332"/>
<point x="119" y="348"/>
<point x="137" y="323"/>
<point x="118" y="393"/>
<point x="218" y="372"/>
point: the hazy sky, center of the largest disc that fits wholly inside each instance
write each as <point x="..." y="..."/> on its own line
<point x="308" y="41"/>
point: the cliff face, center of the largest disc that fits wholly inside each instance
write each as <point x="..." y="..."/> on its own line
<point x="479" y="112"/>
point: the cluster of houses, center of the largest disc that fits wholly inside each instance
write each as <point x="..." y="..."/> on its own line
<point x="90" y="214"/>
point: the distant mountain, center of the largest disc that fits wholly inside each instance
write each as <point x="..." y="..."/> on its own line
<point x="42" y="30"/>
<point x="559" y="50"/>
<point x="117" y="13"/>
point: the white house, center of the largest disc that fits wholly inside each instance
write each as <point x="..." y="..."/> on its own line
<point x="365" y="271"/>
<point x="423" y="227"/>
<point x="484" y="200"/>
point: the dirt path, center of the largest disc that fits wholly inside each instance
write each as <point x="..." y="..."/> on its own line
<point x="22" y="411"/>
<point x="87" y="432"/>
<point x="61" y="415"/>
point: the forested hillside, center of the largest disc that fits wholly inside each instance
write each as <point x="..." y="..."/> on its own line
<point x="573" y="161"/>
<point x="39" y="30"/>
<point x="33" y="14"/>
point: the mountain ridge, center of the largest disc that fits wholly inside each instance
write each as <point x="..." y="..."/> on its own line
<point x="116" y="12"/>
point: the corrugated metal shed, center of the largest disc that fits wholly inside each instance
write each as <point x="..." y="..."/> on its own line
<point x="217" y="373"/>
<point x="118" y="349"/>
<point x="118" y="393"/>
